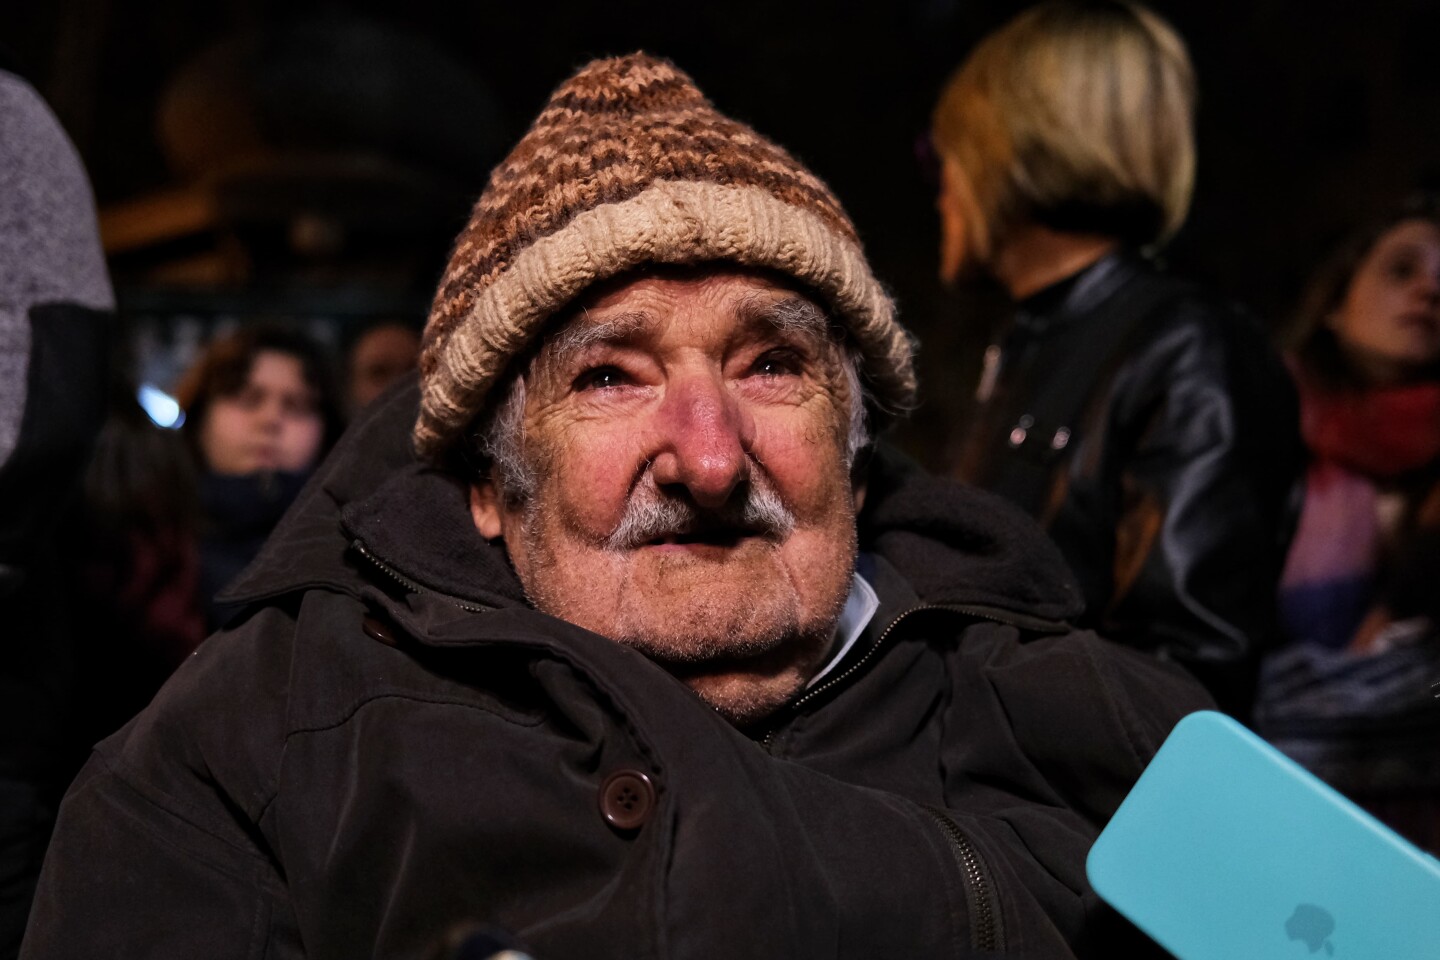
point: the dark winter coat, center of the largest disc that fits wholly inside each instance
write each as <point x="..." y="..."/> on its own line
<point x="392" y="745"/>
<point x="1153" y="432"/>
<point x="237" y="514"/>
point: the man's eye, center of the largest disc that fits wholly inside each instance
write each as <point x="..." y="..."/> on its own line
<point x="776" y="363"/>
<point x="601" y="378"/>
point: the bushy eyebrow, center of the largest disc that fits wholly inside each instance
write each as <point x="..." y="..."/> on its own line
<point x="794" y="315"/>
<point x="580" y="334"/>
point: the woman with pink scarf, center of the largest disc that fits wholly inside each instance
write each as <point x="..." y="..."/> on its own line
<point x="1351" y="696"/>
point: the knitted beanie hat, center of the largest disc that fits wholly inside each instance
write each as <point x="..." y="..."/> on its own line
<point x="627" y="165"/>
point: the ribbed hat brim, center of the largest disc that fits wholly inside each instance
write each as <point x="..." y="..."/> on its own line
<point x="628" y="165"/>
<point x="671" y="222"/>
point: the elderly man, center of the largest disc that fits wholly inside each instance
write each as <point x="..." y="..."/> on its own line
<point x="632" y="646"/>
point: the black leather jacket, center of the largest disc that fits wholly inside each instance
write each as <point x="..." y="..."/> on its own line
<point x="1153" y="432"/>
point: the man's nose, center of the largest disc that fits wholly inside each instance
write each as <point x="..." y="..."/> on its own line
<point x="705" y="441"/>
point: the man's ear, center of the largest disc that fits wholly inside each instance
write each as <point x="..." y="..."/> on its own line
<point x="858" y="491"/>
<point x="485" y="508"/>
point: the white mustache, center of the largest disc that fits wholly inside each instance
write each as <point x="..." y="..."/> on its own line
<point x="651" y="515"/>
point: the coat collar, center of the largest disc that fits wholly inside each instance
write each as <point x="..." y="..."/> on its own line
<point x="1081" y="294"/>
<point x="373" y="510"/>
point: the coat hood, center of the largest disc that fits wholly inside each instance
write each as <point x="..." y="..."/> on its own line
<point x="373" y="495"/>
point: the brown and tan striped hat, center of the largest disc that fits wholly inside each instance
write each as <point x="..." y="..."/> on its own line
<point x="627" y="165"/>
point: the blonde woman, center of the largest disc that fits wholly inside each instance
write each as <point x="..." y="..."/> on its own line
<point x="1144" y="422"/>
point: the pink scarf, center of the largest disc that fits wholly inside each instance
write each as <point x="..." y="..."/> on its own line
<point x="1357" y="438"/>
<point x="1381" y="433"/>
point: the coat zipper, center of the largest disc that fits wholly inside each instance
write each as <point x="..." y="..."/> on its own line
<point x="986" y="931"/>
<point x="992" y="614"/>
<point x="359" y="547"/>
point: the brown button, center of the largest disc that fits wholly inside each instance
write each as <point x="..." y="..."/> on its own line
<point x="626" y="799"/>
<point x="376" y="630"/>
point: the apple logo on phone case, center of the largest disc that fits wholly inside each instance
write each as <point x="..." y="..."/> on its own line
<point x="1313" y="925"/>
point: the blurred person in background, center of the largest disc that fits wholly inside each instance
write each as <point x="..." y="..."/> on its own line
<point x="133" y="568"/>
<point x="379" y="356"/>
<point x="55" y="318"/>
<point x="1146" y="423"/>
<point x="260" y="412"/>
<point x="1350" y="697"/>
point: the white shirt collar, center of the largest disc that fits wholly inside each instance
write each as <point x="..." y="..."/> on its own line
<point x="859" y="610"/>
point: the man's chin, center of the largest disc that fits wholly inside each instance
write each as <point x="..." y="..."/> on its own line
<point x="747" y="688"/>
<point x="744" y="649"/>
<point x="745" y="698"/>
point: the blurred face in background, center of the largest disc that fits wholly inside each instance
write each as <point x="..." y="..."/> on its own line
<point x="272" y="422"/>
<point x="380" y="357"/>
<point x="1388" y="324"/>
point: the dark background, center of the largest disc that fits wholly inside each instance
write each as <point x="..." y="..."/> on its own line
<point x="1313" y="116"/>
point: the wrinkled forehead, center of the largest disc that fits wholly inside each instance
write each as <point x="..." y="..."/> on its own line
<point x="649" y="303"/>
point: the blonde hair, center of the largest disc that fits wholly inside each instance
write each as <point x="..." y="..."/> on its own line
<point x="1078" y="116"/>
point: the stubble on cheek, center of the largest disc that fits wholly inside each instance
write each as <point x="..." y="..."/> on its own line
<point x="582" y="585"/>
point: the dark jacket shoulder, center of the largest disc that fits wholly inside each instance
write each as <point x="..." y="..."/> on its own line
<point x="1151" y="429"/>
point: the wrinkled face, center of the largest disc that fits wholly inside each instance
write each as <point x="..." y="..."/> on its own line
<point x="272" y="423"/>
<point x="691" y="496"/>
<point x="1389" y="322"/>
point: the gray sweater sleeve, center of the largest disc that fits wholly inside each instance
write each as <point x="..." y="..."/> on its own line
<point x="49" y="243"/>
<point x="55" y="308"/>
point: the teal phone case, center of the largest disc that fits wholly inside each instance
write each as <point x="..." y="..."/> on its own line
<point x="1227" y="850"/>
